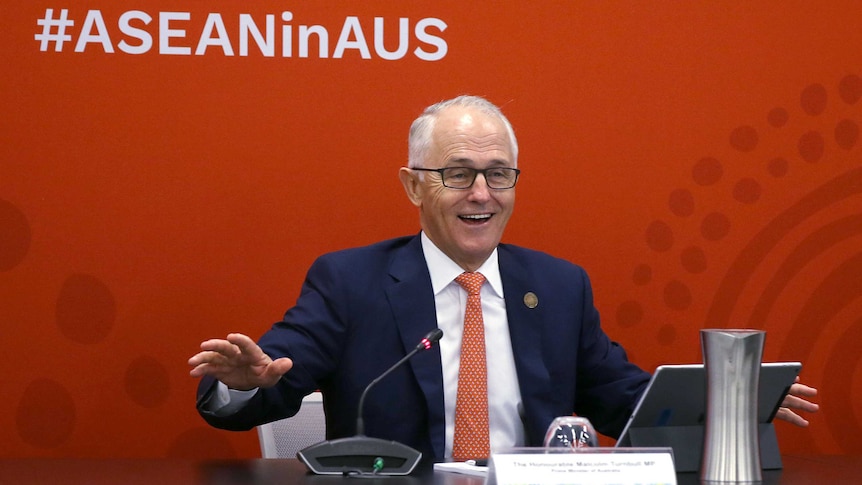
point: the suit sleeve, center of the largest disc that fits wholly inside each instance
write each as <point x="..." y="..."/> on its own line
<point x="309" y="334"/>
<point x="608" y="384"/>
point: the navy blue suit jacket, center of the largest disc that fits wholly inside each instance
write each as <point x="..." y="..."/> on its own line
<point x="360" y="310"/>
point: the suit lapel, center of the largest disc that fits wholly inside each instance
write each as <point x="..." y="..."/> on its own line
<point x="525" y="328"/>
<point x="412" y="301"/>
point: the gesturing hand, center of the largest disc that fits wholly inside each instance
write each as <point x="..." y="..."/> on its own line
<point x="238" y="362"/>
<point x="797" y="400"/>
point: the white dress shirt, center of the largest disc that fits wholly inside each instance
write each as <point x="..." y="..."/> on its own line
<point x="505" y="409"/>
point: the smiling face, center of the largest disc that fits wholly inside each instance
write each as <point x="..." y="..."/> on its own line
<point x="466" y="224"/>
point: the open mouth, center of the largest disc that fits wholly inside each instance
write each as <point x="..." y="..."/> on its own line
<point x="475" y="218"/>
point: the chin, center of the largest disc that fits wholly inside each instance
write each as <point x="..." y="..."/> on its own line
<point x="477" y="253"/>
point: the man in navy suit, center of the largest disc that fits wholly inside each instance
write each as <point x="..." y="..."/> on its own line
<point x="361" y="310"/>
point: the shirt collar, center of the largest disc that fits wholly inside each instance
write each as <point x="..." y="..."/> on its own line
<point x="444" y="271"/>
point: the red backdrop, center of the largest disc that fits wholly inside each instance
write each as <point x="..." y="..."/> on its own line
<point x="700" y="159"/>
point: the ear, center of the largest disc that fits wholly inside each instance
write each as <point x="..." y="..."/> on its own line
<point x="412" y="185"/>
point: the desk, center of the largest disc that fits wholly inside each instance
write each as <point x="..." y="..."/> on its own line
<point x="798" y="470"/>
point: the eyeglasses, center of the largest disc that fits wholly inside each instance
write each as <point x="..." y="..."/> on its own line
<point x="463" y="177"/>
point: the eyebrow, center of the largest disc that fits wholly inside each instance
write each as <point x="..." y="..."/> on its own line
<point x="468" y="161"/>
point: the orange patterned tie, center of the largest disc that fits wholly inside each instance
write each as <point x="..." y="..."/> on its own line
<point x="471" y="407"/>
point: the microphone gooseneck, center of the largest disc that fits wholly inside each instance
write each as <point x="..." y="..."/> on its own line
<point x="362" y="455"/>
<point x="426" y="343"/>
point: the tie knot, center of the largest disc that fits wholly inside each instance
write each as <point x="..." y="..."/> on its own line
<point x="472" y="282"/>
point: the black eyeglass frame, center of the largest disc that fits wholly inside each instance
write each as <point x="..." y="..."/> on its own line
<point x="475" y="172"/>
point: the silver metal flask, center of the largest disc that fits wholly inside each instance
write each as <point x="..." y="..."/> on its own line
<point x="731" y="447"/>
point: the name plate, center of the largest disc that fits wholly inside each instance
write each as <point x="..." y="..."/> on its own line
<point x="583" y="466"/>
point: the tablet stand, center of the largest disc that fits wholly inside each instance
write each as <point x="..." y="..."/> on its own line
<point x="687" y="444"/>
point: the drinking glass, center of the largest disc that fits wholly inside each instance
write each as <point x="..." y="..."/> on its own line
<point x="571" y="432"/>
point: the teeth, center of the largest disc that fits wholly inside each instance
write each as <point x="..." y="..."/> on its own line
<point x="476" y="216"/>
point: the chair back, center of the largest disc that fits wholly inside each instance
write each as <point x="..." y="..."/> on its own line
<point x="283" y="438"/>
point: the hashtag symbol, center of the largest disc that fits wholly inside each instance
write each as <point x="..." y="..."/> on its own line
<point x="50" y="34"/>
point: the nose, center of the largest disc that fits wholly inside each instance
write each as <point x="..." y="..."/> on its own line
<point x="480" y="191"/>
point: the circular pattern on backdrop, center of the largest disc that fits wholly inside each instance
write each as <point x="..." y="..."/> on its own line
<point x="744" y="138"/>
<point x="846" y="134"/>
<point x="747" y="190"/>
<point x="813" y="99"/>
<point x="659" y="236"/>
<point x="46" y="414"/>
<point x="824" y="298"/>
<point x="86" y="312"/>
<point x="811" y="146"/>
<point x="14" y="236"/>
<point x="86" y="309"/>
<point x="850" y="89"/>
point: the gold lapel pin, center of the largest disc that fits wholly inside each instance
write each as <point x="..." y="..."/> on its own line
<point x="531" y="300"/>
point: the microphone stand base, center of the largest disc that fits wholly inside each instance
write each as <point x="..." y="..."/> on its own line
<point x="357" y="455"/>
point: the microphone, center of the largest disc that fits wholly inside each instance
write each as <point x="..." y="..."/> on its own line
<point x="362" y="454"/>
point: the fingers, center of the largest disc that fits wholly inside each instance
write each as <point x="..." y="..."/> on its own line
<point x="794" y="402"/>
<point x="796" y="399"/>
<point x="280" y="366"/>
<point x="238" y="362"/>
<point x="274" y="371"/>
<point x="243" y="342"/>
<point x="202" y="370"/>
<point x="215" y="353"/>
<point x="219" y="356"/>
<point x="235" y="342"/>
<point x="220" y="346"/>
<point x="234" y="346"/>
<point x="209" y="363"/>
<point x="802" y="390"/>
<point x="786" y="414"/>
<point x="206" y="357"/>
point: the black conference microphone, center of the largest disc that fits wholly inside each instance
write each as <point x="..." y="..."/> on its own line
<point x="362" y="454"/>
